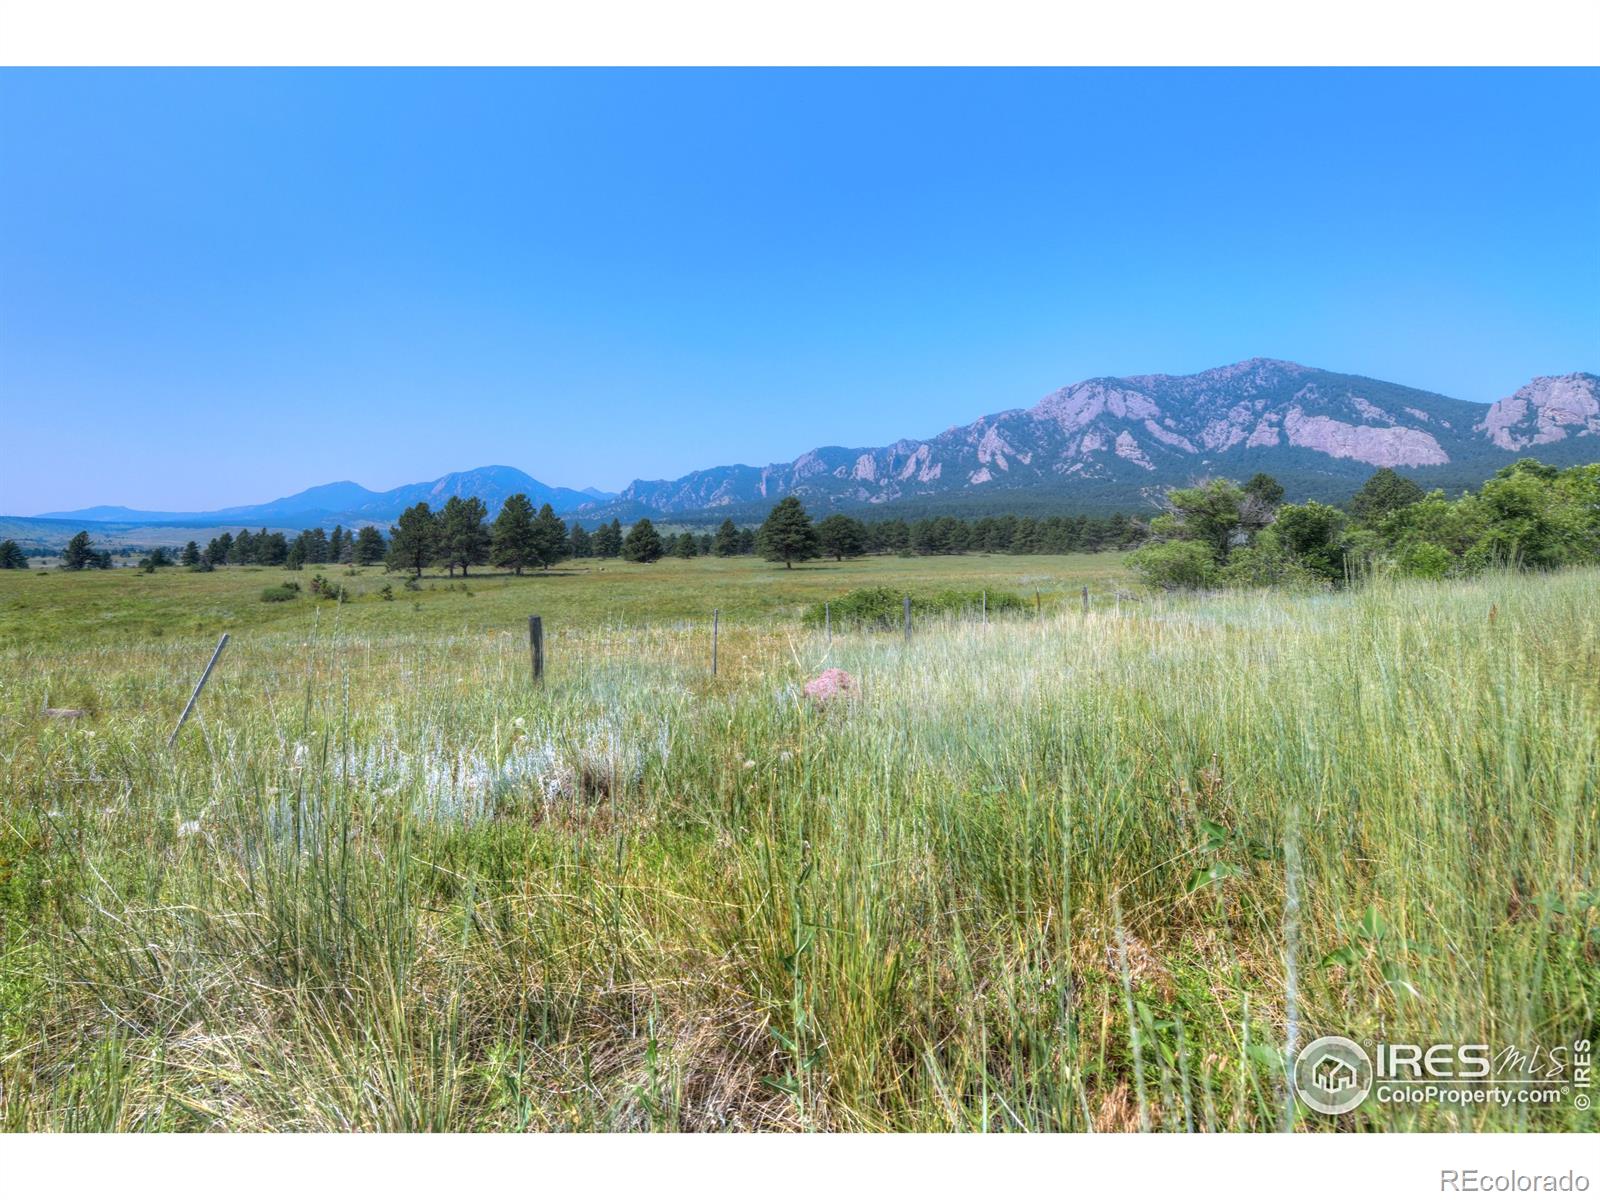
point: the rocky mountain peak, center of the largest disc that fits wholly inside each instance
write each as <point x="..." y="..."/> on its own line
<point x="1549" y="408"/>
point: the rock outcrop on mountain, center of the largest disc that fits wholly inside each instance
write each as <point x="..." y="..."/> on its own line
<point x="1145" y="431"/>
<point x="1551" y="408"/>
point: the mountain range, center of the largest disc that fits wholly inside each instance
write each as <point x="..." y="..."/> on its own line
<point x="1119" y="440"/>
<point x="351" y="504"/>
<point x="1102" y="443"/>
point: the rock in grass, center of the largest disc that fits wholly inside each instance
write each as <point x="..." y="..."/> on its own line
<point x="65" y="714"/>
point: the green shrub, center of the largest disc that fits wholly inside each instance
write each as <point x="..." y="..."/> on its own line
<point x="1267" y="565"/>
<point x="280" y="593"/>
<point x="1425" y="560"/>
<point x="883" y="608"/>
<point x="1175" y="566"/>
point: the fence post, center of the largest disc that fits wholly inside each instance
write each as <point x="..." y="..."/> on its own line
<point x="1086" y="600"/>
<point x="1036" y="612"/>
<point x="908" y="616"/>
<point x="986" y="606"/>
<point x="827" y="620"/>
<point x="536" y="646"/>
<point x="716" y="614"/>
<point x="195" y="695"/>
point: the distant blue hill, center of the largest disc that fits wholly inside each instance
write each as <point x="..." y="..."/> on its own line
<point x="351" y="504"/>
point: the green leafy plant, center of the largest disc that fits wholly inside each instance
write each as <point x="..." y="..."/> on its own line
<point x="1231" y="854"/>
<point x="1374" y="941"/>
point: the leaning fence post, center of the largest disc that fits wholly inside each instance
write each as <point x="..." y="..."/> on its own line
<point x="908" y="616"/>
<point x="195" y="695"/>
<point x="716" y="614"/>
<point x="536" y="646"/>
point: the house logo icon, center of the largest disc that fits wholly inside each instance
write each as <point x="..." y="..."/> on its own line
<point x="1332" y="1075"/>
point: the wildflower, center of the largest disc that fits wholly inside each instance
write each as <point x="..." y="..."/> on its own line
<point x="749" y="763"/>
<point x="830" y="684"/>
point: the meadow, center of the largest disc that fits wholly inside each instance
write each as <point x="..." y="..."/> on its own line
<point x="1053" y="871"/>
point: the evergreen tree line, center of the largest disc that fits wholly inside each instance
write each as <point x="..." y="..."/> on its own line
<point x="1222" y="534"/>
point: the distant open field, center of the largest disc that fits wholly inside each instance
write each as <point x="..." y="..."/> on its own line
<point x="53" y="533"/>
<point x="51" y="605"/>
<point x="1064" y="872"/>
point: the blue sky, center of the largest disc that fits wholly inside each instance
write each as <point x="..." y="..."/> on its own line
<point x="220" y="287"/>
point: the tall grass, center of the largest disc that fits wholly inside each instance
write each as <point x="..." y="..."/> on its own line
<point x="1081" y="872"/>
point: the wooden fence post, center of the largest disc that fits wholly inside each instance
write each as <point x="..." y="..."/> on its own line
<point x="716" y="614"/>
<point x="908" y="616"/>
<point x="985" y="609"/>
<point x="536" y="646"/>
<point x="195" y="695"/>
<point x="1036" y="613"/>
<point x="827" y="620"/>
<point x="1086" y="600"/>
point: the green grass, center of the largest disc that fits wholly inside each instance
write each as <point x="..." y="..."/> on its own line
<point x="73" y="607"/>
<point x="385" y="883"/>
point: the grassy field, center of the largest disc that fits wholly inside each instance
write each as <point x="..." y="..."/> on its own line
<point x="1062" y="871"/>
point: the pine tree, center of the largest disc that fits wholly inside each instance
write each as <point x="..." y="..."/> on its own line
<point x="643" y="543"/>
<point x="272" y="549"/>
<point x="78" y="553"/>
<point x="685" y="545"/>
<point x="12" y="558"/>
<point x="413" y="543"/>
<point x="317" y="550"/>
<point x="608" y="540"/>
<point x="787" y="535"/>
<point x="336" y="544"/>
<point x="463" y="537"/>
<point x="726" y="543"/>
<point x="1265" y="489"/>
<point x="841" y="536"/>
<point x="582" y="543"/>
<point x="297" y="554"/>
<point x="512" y="543"/>
<point x="370" y="548"/>
<point x="1385" y="492"/>
<point x="217" y="549"/>
<point x="550" y="541"/>
<point x="242" y="552"/>
<point x="191" y="556"/>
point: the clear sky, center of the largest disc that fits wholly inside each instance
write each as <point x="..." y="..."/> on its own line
<point x="221" y="287"/>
